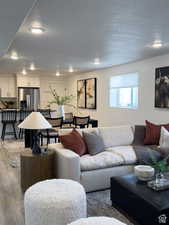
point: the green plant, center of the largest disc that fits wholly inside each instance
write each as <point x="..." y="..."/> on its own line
<point x="161" y="165"/>
<point x="60" y="100"/>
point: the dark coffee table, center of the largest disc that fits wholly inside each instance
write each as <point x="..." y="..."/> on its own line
<point x="143" y="205"/>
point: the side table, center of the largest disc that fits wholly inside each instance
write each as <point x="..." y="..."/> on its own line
<point x="35" y="168"/>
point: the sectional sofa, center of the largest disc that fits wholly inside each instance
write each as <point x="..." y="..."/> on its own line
<point x="94" y="172"/>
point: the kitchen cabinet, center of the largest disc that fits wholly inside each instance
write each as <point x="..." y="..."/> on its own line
<point x="28" y="81"/>
<point x="8" y="86"/>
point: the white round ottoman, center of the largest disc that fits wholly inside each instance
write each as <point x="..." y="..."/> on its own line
<point x="97" y="221"/>
<point x="54" y="202"/>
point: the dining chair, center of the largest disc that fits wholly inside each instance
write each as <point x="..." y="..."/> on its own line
<point x="9" y="117"/>
<point x="45" y="112"/>
<point x="53" y="132"/>
<point x="81" y="122"/>
<point x="68" y="120"/>
<point x="53" y="114"/>
<point x="22" y="115"/>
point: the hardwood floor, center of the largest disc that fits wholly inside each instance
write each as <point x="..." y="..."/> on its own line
<point x="11" y="197"/>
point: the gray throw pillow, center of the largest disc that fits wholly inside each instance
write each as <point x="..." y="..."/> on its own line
<point x="94" y="142"/>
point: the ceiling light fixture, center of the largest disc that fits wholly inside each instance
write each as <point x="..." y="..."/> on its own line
<point x="24" y="72"/>
<point x="157" y="44"/>
<point x="57" y="74"/>
<point x="14" y="56"/>
<point x="71" y="70"/>
<point x="32" y="67"/>
<point x="37" y="30"/>
<point x="96" y="61"/>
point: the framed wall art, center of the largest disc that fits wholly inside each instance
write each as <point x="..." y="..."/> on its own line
<point x="86" y="93"/>
<point x="81" y="94"/>
<point x="91" y="93"/>
<point x="162" y="87"/>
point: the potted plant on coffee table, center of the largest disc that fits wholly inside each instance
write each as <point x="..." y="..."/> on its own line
<point x="160" y="166"/>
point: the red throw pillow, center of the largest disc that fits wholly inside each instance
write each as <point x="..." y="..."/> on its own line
<point x="74" y="141"/>
<point x="153" y="131"/>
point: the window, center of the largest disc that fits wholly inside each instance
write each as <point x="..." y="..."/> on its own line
<point x="123" y="91"/>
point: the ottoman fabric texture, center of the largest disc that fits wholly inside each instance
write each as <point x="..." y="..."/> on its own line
<point x="97" y="221"/>
<point x="54" y="202"/>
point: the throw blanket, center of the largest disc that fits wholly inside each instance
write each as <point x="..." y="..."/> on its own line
<point x="143" y="154"/>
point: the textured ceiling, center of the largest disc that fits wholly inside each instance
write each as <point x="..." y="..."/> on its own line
<point x="12" y="14"/>
<point x="77" y="31"/>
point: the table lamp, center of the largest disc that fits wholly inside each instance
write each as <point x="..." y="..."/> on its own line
<point x="35" y="121"/>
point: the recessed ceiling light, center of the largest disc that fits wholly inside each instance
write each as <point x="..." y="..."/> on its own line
<point x="97" y="61"/>
<point x="157" y="44"/>
<point x="32" y="67"/>
<point x="57" y="74"/>
<point x="14" y="56"/>
<point x="37" y="30"/>
<point x="71" y="70"/>
<point x="24" y="72"/>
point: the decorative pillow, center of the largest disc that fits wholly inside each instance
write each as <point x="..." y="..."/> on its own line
<point x="74" y="141"/>
<point x="94" y="142"/>
<point x="164" y="140"/>
<point x="153" y="133"/>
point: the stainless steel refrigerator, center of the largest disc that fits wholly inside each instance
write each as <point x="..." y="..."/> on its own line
<point x="28" y="98"/>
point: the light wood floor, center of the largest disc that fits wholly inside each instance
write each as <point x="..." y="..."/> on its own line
<point x="11" y="198"/>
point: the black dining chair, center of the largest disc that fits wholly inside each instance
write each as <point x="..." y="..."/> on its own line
<point x="45" y="112"/>
<point x="68" y="121"/>
<point x="9" y="117"/>
<point x="53" y="132"/>
<point x="22" y="115"/>
<point x="81" y="122"/>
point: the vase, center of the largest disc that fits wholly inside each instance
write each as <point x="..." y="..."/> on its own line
<point x="159" y="177"/>
<point x="61" y="111"/>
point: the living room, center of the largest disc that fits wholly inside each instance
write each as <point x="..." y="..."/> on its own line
<point x="104" y="64"/>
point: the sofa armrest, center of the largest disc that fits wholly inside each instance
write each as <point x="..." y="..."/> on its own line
<point x="67" y="163"/>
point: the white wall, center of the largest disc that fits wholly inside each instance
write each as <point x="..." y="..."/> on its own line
<point x="113" y="116"/>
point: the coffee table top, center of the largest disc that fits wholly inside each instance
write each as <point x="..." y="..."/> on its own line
<point x="158" y="199"/>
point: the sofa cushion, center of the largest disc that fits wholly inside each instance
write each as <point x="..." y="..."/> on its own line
<point x="68" y="130"/>
<point x="111" y="157"/>
<point x="126" y="152"/>
<point x="116" y="135"/>
<point x="94" y="142"/>
<point x="74" y="142"/>
<point x="102" y="160"/>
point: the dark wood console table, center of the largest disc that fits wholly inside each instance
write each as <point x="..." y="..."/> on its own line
<point x="35" y="168"/>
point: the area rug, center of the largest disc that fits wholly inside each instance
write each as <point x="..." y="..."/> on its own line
<point x="98" y="203"/>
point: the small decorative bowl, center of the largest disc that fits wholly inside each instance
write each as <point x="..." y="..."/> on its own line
<point x="144" y="172"/>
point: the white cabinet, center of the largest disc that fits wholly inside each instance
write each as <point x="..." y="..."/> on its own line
<point x="7" y="86"/>
<point x="28" y="81"/>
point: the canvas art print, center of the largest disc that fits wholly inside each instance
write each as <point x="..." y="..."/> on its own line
<point x="81" y="92"/>
<point x="91" y="93"/>
<point x="86" y="93"/>
<point x="162" y="87"/>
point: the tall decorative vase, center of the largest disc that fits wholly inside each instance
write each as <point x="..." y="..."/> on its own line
<point x="61" y="111"/>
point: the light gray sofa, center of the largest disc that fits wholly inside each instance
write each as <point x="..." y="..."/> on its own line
<point x="94" y="172"/>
